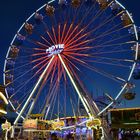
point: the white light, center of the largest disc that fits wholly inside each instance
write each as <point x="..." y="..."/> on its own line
<point x="2" y="111"/>
<point x="4" y="98"/>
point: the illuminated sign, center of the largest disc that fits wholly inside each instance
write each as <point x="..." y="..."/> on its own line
<point x="55" y="49"/>
<point x="30" y="124"/>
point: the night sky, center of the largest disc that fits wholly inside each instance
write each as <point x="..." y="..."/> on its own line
<point x="14" y="13"/>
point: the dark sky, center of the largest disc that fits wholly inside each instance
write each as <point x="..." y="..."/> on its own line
<point x="14" y="13"/>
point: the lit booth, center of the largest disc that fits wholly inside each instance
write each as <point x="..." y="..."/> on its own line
<point x="125" y="123"/>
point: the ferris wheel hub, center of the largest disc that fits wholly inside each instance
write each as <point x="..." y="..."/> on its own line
<point x="55" y="49"/>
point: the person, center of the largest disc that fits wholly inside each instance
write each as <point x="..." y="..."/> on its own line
<point x="54" y="136"/>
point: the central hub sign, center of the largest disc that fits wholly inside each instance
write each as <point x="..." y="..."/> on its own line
<point x="55" y="49"/>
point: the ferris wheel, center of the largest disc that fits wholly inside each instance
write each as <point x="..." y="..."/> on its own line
<point x="64" y="52"/>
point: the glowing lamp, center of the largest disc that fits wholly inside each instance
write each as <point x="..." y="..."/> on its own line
<point x="93" y="123"/>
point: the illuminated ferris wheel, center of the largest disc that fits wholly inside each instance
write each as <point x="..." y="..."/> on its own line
<point x="65" y="51"/>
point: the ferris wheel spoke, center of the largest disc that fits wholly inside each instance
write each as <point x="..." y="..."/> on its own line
<point x="50" y="36"/>
<point x="49" y="101"/>
<point x="64" y="28"/>
<point x="80" y="82"/>
<point x="72" y="23"/>
<point x="39" y="92"/>
<point x="94" y="29"/>
<point x="45" y="25"/>
<point x="54" y="36"/>
<point x="70" y="28"/>
<point x="114" y="28"/>
<point x="65" y="97"/>
<point x="111" y="59"/>
<point x="99" y="13"/>
<point x="22" y="99"/>
<point x="27" y="110"/>
<point x="106" y="33"/>
<point x="53" y="103"/>
<point x="76" y="11"/>
<point x="67" y="38"/>
<point x="84" y="45"/>
<point x="112" y="32"/>
<point x="40" y="58"/>
<point x="63" y="31"/>
<point x="65" y="58"/>
<point x="77" y="90"/>
<point x="74" y="58"/>
<point x="25" y="83"/>
<point x="71" y="41"/>
<point x="100" y="59"/>
<point x="68" y="35"/>
<point x="37" y="43"/>
<point x="36" y="85"/>
<point x="77" y="54"/>
<point x="17" y="67"/>
<point x="89" y="79"/>
<point x="84" y="42"/>
<point x="95" y="69"/>
<point x="115" y="45"/>
<point x="37" y="65"/>
<point x="109" y="52"/>
<point x="45" y="104"/>
<point x="23" y="74"/>
<point x="112" y="40"/>
<point x="39" y="54"/>
<point x="59" y="33"/>
<point x="85" y="49"/>
<point x="59" y="71"/>
<point x="109" y="63"/>
<point x="29" y="63"/>
<point x="47" y="98"/>
<point x="85" y="94"/>
<point x="101" y="72"/>
<point x="46" y="77"/>
<point x="28" y="49"/>
<point x="42" y="37"/>
<point x="72" y="105"/>
<point x="86" y="14"/>
<point x="98" y="45"/>
<point x="68" y="31"/>
<point x="53" y="71"/>
<point x="64" y="74"/>
<point x="107" y="20"/>
<point x="28" y="56"/>
<point x="63" y="103"/>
